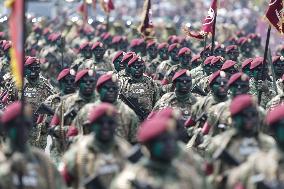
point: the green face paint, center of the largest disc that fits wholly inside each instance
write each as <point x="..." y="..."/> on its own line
<point x="109" y="92"/>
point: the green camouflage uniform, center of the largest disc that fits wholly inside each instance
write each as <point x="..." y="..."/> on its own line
<point x="164" y="66"/>
<point x="275" y="101"/>
<point x="127" y="121"/>
<point x="86" y="159"/>
<point x="38" y="171"/>
<point x="102" y="66"/>
<point x="170" y="100"/>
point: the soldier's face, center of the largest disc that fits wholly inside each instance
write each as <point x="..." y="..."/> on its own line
<point x="219" y="52"/>
<point x="230" y="71"/>
<point x="99" y="53"/>
<point x="118" y="65"/>
<point x="163" y="148"/>
<point x="32" y="71"/>
<point x="174" y="54"/>
<point x="104" y="128"/>
<point x="239" y="87"/>
<point x="163" y="53"/>
<point x="109" y="92"/>
<point x="233" y="55"/>
<point x="220" y="87"/>
<point x="217" y="66"/>
<point x="279" y="68"/>
<point x="67" y="84"/>
<point x="247" y="70"/>
<point x="87" y="53"/>
<point x="185" y="59"/>
<point x="152" y="51"/>
<point x="87" y="85"/>
<point x="137" y="69"/>
<point x="246" y="48"/>
<point x="183" y="84"/>
<point x="256" y="72"/>
<point x="247" y="120"/>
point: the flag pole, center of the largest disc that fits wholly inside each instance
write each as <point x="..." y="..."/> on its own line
<point x="23" y="51"/>
<point x="213" y="35"/>
<point x="264" y="60"/>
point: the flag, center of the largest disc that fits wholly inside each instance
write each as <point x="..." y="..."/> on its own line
<point x="207" y="24"/>
<point x="146" y="26"/>
<point x="16" y="30"/>
<point x="83" y="10"/>
<point x="107" y="5"/>
<point x="94" y="4"/>
<point x="275" y="14"/>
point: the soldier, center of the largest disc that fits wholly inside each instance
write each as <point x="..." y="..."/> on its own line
<point x="277" y="100"/>
<point x="167" y="64"/>
<point x="66" y="80"/>
<point x="230" y="67"/>
<point x="264" y="169"/>
<point x="69" y="107"/>
<point x="246" y="66"/>
<point x="234" y="146"/>
<point x="195" y="61"/>
<point x="138" y="91"/>
<point x="260" y="83"/>
<point x="232" y="53"/>
<point x="181" y="99"/>
<point x="152" y="51"/>
<point x="219" y="50"/>
<point x="85" y="55"/>
<point x="22" y="166"/>
<point x="246" y="48"/>
<point x="5" y="59"/>
<point x="98" y="157"/>
<point x="117" y="63"/>
<point x="127" y="121"/>
<point x="163" y="55"/>
<point x="278" y="62"/>
<point x="162" y="169"/>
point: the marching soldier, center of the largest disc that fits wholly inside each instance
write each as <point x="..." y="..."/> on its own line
<point x="232" y="53"/>
<point x="277" y="100"/>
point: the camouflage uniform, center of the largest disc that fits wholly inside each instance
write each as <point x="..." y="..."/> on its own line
<point x="240" y="148"/>
<point x="178" y="175"/>
<point x="86" y="159"/>
<point x="262" y="167"/>
<point x="38" y="171"/>
<point x="275" y="101"/>
<point x="127" y="121"/>
<point x="165" y="66"/>
<point x="196" y="74"/>
<point x="170" y="100"/>
<point x="100" y="67"/>
<point x="145" y="92"/>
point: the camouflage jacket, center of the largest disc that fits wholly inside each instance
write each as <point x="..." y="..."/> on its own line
<point x="170" y="100"/>
<point x="127" y="121"/>
<point x="196" y="74"/>
<point x="38" y="171"/>
<point x="261" y="168"/>
<point x="145" y="92"/>
<point x="164" y="66"/>
<point x="85" y="159"/>
<point x="102" y="66"/>
<point x="171" y="72"/>
<point x="152" y="66"/>
<point x="275" y="101"/>
<point x="155" y="175"/>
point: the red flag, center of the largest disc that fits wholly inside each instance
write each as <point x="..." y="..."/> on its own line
<point x="110" y="5"/>
<point x="146" y="26"/>
<point x="107" y="5"/>
<point x="16" y="30"/>
<point x="83" y="10"/>
<point x="207" y="25"/>
<point x="275" y="14"/>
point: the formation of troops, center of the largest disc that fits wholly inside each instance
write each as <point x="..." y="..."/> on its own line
<point x="127" y="112"/>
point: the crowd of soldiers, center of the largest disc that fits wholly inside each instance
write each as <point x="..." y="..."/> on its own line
<point x="127" y="112"/>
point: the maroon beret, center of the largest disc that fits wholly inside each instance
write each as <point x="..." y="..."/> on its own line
<point x="228" y="64"/>
<point x="46" y="31"/>
<point x="11" y="112"/>
<point x="247" y="62"/>
<point x="117" y="55"/>
<point x="217" y="59"/>
<point x="162" y="45"/>
<point x="140" y="41"/>
<point x="134" y="43"/>
<point x="72" y="131"/>
<point x="237" y="76"/>
<point x="55" y="37"/>
<point x="106" y="36"/>
<point x="277" y="58"/>
<point x="215" y="75"/>
<point x="104" y="78"/>
<point x="102" y="109"/>
<point x="243" y="40"/>
<point x="97" y="44"/>
<point x="30" y="60"/>
<point x="64" y="73"/>
<point x="2" y="34"/>
<point x="208" y="60"/>
<point x="195" y="58"/>
<point x="171" y="37"/>
<point x="134" y="59"/>
<point x="151" y="43"/>
<point x="219" y="46"/>
<point x="116" y="39"/>
<point x="275" y="115"/>
<point x="256" y="62"/>
<point x="231" y="47"/>
<point x="84" y="45"/>
<point x="82" y="73"/>
<point x="7" y="45"/>
<point x="152" y="128"/>
<point x="183" y="51"/>
<point x="172" y="47"/>
<point x="240" y="103"/>
<point x="128" y="55"/>
<point x="181" y="73"/>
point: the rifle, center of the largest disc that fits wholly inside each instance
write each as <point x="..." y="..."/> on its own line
<point x="135" y="154"/>
<point x="44" y="109"/>
<point x="134" y="106"/>
<point x="198" y="90"/>
<point x="224" y="155"/>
